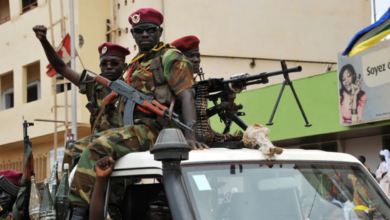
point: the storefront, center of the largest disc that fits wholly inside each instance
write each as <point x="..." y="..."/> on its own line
<point x="319" y="96"/>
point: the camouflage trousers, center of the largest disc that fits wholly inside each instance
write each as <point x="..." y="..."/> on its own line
<point x="116" y="144"/>
<point x="73" y="153"/>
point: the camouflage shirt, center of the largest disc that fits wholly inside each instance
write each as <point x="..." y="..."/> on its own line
<point x="177" y="72"/>
<point x="96" y="93"/>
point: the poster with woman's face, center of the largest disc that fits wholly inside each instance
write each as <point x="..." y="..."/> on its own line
<point x="364" y="85"/>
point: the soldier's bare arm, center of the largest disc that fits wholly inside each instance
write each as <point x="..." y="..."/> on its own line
<point x="189" y="114"/>
<point x="104" y="169"/>
<point x="53" y="57"/>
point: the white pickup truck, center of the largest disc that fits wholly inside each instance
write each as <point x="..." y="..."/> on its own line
<point x="231" y="184"/>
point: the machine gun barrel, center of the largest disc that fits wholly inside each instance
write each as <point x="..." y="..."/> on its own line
<point x="266" y="75"/>
<point x="226" y="90"/>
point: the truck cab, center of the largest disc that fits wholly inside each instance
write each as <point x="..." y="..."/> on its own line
<point x="227" y="184"/>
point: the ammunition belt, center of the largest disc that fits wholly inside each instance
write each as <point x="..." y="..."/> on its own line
<point x="237" y="136"/>
<point x="204" y="132"/>
<point x="201" y="104"/>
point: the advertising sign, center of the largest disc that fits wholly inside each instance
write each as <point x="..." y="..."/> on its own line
<point x="364" y="85"/>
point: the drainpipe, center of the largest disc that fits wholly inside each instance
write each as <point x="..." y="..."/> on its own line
<point x="73" y="67"/>
<point x="162" y="11"/>
<point x="374" y="8"/>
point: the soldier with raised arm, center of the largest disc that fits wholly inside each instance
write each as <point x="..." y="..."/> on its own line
<point x="103" y="117"/>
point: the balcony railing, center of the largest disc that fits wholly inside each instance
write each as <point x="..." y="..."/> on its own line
<point x="5" y="19"/>
<point x="30" y="7"/>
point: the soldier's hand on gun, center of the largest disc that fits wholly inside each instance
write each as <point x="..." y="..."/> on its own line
<point x="40" y="32"/>
<point x="197" y="145"/>
<point x="104" y="168"/>
<point x="374" y="207"/>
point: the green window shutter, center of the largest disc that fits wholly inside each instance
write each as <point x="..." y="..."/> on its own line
<point x="311" y="147"/>
<point x="330" y="147"/>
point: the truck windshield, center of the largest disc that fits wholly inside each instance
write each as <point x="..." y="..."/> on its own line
<point x="303" y="191"/>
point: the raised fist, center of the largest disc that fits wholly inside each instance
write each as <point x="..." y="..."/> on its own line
<point x="104" y="167"/>
<point x="40" y="32"/>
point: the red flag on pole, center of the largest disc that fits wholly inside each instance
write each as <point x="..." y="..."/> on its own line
<point x="64" y="51"/>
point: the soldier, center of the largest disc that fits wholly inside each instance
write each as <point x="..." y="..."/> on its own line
<point x="158" y="206"/>
<point x="189" y="46"/>
<point x="9" y="188"/>
<point x="112" y="65"/>
<point x="158" y="70"/>
<point x="159" y="209"/>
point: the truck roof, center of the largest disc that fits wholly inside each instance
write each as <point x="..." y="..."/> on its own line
<point x="142" y="160"/>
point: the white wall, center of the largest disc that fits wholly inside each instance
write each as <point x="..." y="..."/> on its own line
<point x="279" y="29"/>
<point x="368" y="147"/>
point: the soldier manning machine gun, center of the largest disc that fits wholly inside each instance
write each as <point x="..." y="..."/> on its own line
<point x="217" y="88"/>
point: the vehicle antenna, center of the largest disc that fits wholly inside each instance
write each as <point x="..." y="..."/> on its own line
<point x="308" y="217"/>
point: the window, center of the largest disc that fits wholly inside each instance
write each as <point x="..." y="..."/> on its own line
<point x="7" y="99"/>
<point x="28" y="5"/>
<point x="386" y="142"/>
<point x="33" y="91"/>
<point x="61" y="87"/>
<point x="33" y="87"/>
<point x="311" y="147"/>
<point x="4" y="11"/>
<point x="7" y="90"/>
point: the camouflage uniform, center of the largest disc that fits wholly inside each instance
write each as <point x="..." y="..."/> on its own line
<point x="110" y="118"/>
<point x="143" y="134"/>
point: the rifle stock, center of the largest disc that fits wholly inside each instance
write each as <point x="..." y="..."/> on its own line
<point x="108" y="99"/>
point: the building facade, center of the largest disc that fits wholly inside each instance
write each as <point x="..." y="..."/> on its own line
<point x="26" y="91"/>
<point x="236" y="36"/>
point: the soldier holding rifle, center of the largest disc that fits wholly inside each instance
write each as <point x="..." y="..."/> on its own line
<point x="159" y="71"/>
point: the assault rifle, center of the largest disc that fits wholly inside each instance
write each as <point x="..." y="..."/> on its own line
<point x="134" y="97"/>
<point x="20" y="208"/>
<point x="29" y="169"/>
<point x="226" y="91"/>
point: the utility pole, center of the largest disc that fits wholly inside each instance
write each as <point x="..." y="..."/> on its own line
<point x="54" y="83"/>
<point x="73" y="67"/>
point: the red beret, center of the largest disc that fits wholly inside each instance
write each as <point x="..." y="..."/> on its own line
<point x="12" y="176"/>
<point x="113" y="50"/>
<point x="186" y="43"/>
<point x="146" y="15"/>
